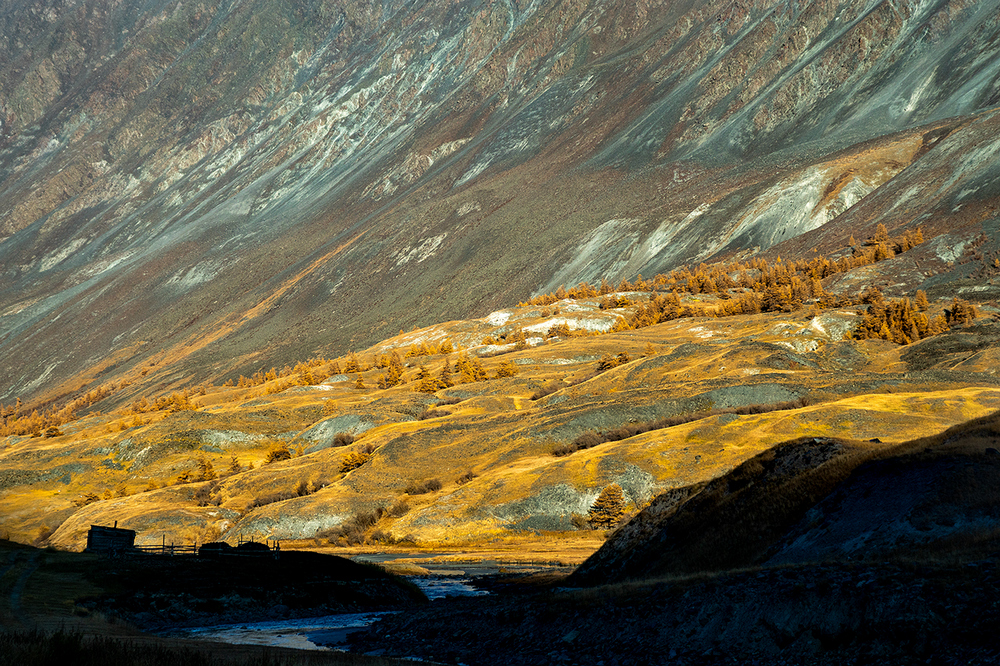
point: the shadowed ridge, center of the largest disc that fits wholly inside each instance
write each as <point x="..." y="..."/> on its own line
<point x="817" y="499"/>
<point x="933" y="498"/>
<point x="729" y="522"/>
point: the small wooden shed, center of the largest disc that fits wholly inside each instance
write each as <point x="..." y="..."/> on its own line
<point x="102" y="539"/>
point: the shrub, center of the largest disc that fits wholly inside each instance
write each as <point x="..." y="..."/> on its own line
<point x="399" y="509"/>
<point x="278" y="452"/>
<point x="608" y="361"/>
<point x="422" y="488"/>
<point x="547" y="389"/>
<point x="583" y="441"/>
<point x="343" y="439"/>
<point x="353" y="460"/>
<point x="378" y="536"/>
<point x="44" y="533"/>
<point x="270" y="498"/>
<point x="591" y="439"/>
<point x="352" y="531"/>
<point x="207" y="494"/>
<point x="465" y="478"/>
<point x="367" y="519"/>
<point x="434" y="412"/>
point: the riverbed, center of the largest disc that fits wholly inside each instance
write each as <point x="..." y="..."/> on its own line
<point x="329" y="632"/>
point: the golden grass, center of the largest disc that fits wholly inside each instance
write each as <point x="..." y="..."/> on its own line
<point x="495" y="430"/>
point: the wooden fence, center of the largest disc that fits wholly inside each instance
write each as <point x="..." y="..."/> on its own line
<point x="273" y="548"/>
<point x="168" y="549"/>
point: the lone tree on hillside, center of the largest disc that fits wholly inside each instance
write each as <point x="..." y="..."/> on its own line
<point x="608" y="508"/>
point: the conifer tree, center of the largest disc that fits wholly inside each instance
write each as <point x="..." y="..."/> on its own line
<point x="470" y="369"/>
<point x="518" y="338"/>
<point x="506" y="369"/>
<point x="608" y="508"/>
<point x="937" y="325"/>
<point x="881" y="234"/>
<point x="425" y="382"/>
<point x="444" y="379"/>
<point x="206" y="472"/>
<point x="352" y="364"/>
<point x="962" y="312"/>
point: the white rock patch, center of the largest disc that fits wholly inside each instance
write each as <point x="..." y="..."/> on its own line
<point x="420" y="252"/>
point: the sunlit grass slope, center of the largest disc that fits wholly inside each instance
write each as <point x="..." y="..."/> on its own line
<point x="475" y="461"/>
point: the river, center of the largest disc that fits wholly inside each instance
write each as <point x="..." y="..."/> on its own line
<point x="330" y="631"/>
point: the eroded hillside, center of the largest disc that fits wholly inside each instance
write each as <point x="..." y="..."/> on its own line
<point x="189" y="188"/>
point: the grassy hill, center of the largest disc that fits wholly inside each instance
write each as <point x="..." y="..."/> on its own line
<point x="304" y="453"/>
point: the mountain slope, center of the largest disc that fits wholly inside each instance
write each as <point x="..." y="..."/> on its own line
<point x="200" y="189"/>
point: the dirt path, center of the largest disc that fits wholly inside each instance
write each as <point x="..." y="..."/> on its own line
<point x="19" y="568"/>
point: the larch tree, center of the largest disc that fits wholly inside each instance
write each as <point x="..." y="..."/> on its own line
<point x="608" y="508"/>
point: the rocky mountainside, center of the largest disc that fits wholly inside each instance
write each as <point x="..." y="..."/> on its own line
<point x="190" y="190"/>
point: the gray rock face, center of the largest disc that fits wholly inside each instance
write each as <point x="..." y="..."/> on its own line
<point x="323" y="433"/>
<point x="278" y="177"/>
<point x="549" y="509"/>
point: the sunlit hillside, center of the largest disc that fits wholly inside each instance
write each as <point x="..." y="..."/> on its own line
<point x="507" y="426"/>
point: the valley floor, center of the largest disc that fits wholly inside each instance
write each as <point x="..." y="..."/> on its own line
<point x="836" y="613"/>
<point x="549" y="549"/>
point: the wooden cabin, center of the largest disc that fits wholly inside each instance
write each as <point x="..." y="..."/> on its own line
<point x="102" y="539"/>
